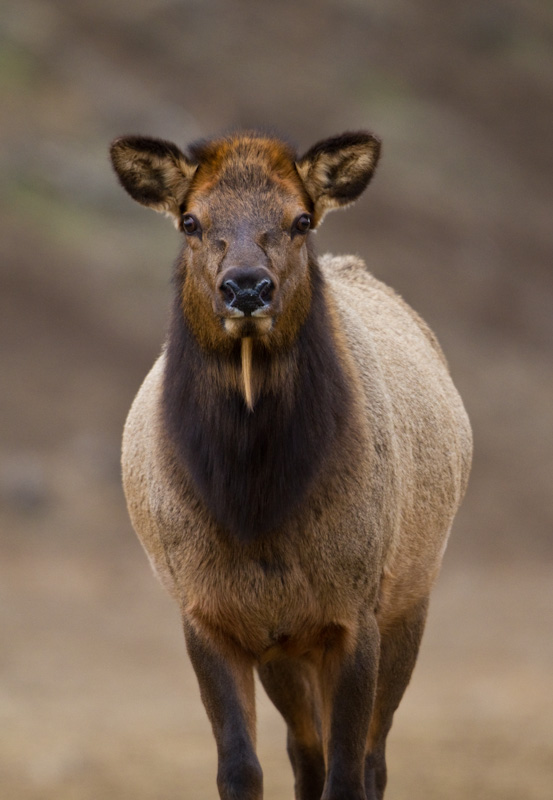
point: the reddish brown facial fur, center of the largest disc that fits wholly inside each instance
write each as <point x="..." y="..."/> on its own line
<point x="244" y="199"/>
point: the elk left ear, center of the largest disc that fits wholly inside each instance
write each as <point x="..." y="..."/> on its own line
<point x="336" y="171"/>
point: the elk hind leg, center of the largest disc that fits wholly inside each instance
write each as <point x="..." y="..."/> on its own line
<point x="399" y="647"/>
<point x="348" y="679"/>
<point x="291" y="684"/>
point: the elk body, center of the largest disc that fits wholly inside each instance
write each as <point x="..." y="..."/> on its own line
<point x="293" y="461"/>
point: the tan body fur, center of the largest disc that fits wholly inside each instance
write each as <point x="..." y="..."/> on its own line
<point x="396" y="547"/>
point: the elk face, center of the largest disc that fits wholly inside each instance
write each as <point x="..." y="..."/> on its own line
<point x="246" y="206"/>
<point x="246" y="226"/>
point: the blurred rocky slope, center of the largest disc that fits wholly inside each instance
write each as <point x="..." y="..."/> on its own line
<point x="458" y="219"/>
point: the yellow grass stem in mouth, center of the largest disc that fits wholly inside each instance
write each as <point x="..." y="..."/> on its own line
<point x="247" y="371"/>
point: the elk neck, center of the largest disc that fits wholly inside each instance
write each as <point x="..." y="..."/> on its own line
<point x="252" y="469"/>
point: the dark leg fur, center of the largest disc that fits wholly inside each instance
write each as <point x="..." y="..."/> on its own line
<point x="291" y="684"/>
<point x="399" y="647"/>
<point x="348" y="695"/>
<point x="227" y="690"/>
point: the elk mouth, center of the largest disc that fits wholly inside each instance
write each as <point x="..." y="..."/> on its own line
<point x="253" y="325"/>
<point x="260" y="312"/>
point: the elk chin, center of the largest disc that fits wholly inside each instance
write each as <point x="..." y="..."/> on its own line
<point x="248" y="327"/>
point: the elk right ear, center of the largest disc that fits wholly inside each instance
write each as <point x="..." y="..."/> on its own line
<point x="336" y="171"/>
<point x="155" y="173"/>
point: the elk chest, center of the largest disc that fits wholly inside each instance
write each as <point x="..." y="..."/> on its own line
<point x="288" y="592"/>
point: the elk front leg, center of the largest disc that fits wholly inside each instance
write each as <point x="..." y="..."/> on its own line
<point x="348" y="696"/>
<point x="227" y="691"/>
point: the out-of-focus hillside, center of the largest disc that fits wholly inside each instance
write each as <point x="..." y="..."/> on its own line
<point x="458" y="219"/>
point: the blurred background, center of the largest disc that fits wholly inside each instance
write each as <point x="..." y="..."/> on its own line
<point x="96" y="695"/>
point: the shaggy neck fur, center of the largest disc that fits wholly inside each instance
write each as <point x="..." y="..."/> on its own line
<point x="253" y="468"/>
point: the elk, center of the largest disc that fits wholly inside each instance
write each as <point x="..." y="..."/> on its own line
<point x="293" y="461"/>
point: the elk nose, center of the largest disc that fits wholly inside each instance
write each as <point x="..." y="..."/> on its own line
<point x="247" y="289"/>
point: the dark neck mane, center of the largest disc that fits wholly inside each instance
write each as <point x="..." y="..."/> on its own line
<point x="252" y="470"/>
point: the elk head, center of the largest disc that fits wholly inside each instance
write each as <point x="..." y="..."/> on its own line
<point x="246" y="206"/>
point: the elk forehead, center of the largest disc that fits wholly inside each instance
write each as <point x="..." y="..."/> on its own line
<point x="257" y="174"/>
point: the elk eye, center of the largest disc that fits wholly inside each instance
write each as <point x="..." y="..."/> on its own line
<point x="190" y="224"/>
<point x="302" y="223"/>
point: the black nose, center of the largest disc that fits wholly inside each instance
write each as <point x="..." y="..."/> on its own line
<point x="247" y="289"/>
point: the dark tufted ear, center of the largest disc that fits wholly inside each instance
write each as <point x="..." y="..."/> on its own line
<point x="336" y="171"/>
<point x="155" y="173"/>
